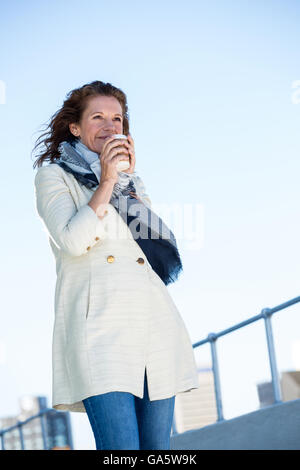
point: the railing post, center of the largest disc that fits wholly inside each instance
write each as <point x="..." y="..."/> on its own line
<point x="44" y="434"/>
<point x="267" y="312"/>
<point x="2" y="442"/>
<point x="21" y="435"/>
<point x="212" y="339"/>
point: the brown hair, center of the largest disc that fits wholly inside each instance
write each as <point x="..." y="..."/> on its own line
<point x="71" y="111"/>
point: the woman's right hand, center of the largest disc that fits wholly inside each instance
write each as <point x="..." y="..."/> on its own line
<point x="112" y="152"/>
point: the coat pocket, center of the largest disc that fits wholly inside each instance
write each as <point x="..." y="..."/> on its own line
<point x="76" y="299"/>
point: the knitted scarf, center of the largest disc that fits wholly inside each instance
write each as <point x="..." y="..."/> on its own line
<point x="150" y="232"/>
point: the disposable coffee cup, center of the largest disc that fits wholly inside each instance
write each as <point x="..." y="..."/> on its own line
<point x="122" y="164"/>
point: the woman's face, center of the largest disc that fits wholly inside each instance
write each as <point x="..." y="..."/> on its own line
<point x="101" y="118"/>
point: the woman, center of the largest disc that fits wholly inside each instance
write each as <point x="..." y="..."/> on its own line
<point x="121" y="351"/>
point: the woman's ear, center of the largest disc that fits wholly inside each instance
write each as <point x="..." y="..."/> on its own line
<point x="74" y="129"/>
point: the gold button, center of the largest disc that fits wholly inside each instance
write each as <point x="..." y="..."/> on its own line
<point x="110" y="259"/>
<point x="140" y="260"/>
<point x="97" y="238"/>
<point x="88" y="247"/>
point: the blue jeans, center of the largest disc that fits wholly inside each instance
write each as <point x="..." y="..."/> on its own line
<point x="120" y="420"/>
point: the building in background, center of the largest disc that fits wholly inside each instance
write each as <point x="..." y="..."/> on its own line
<point x="56" y="424"/>
<point x="290" y="389"/>
<point x="196" y="408"/>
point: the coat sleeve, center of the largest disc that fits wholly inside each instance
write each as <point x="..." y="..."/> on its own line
<point x="73" y="231"/>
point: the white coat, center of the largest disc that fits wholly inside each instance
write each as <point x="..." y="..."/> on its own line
<point x="114" y="316"/>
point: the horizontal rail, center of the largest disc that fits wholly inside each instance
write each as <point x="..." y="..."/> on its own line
<point x="19" y="425"/>
<point x="212" y="338"/>
<point x="22" y="423"/>
<point x="261" y="315"/>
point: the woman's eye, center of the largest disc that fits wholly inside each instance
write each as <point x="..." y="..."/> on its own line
<point x="95" y="117"/>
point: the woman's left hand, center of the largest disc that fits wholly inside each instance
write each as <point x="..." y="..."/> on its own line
<point x="132" y="162"/>
<point x="130" y="148"/>
<point x="132" y="194"/>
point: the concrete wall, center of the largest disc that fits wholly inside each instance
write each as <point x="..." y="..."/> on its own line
<point x="276" y="427"/>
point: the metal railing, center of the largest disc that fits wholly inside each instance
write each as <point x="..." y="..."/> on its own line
<point x="266" y="315"/>
<point x="19" y="425"/>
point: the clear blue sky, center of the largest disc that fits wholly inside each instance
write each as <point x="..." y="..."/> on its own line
<point x="215" y="123"/>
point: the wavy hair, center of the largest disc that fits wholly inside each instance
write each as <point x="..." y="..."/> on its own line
<point x="71" y="111"/>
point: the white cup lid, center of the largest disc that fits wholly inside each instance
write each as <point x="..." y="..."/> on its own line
<point x="119" y="136"/>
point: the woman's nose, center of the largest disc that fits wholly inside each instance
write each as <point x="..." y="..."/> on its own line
<point x="109" y="123"/>
<point x="109" y="127"/>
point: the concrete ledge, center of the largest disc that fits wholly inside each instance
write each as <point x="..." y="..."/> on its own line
<point x="276" y="427"/>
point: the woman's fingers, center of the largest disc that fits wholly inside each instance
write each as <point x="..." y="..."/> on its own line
<point x="112" y="151"/>
<point x="110" y="143"/>
<point x="134" y="195"/>
<point x="130" y="147"/>
<point x="114" y="147"/>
